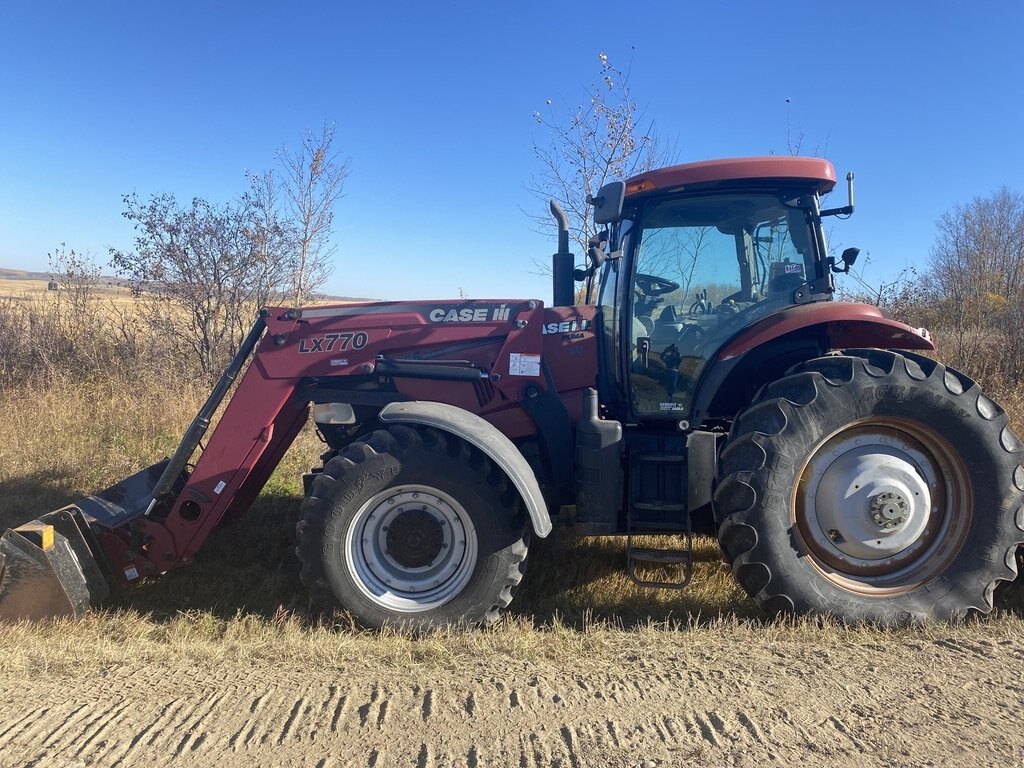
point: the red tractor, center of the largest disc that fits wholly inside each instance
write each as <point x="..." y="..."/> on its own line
<point x="714" y="385"/>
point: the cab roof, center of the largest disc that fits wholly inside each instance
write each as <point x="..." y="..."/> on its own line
<point x="817" y="171"/>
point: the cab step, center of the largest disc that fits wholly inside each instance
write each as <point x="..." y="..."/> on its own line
<point x="650" y="557"/>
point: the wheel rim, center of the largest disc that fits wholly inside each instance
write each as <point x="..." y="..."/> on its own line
<point x="411" y="548"/>
<point x="882" y="507"/>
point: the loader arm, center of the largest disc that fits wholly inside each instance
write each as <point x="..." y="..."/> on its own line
<point x="256" y="428"/>
<point x="157" y="519"/>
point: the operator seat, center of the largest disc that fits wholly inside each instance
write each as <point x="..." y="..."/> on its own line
<point x="667" y="328"/>
<point x="668" y="316"/>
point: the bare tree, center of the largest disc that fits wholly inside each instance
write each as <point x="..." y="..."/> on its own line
<point x="204" y="269"/>
<point x="69" y="331"/>
<point x="313" y="181"/>
<point x="976" y="280"/>
<point x="603" y="139"/>
<point x="902" y="297"/>
<point x="982" y="244"/>
<point x="76" y="276"/>
<point x="273" y="236"/>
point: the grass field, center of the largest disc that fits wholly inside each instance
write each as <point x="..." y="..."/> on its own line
<point x="67" y="440"/>
<point x="33" y="289"/>
<point x="73" y="439"/>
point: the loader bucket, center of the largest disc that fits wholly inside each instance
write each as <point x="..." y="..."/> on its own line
<point x="48" y="569"/>
<point x="55" y="565"/>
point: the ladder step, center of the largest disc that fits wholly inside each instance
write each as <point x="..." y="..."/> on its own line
<point x="658" y="458"/>
<point x="652" y="557"/>
<point x="658" y="526"/>
<point x="659" y="506"/>
<point x="661" y="556"/>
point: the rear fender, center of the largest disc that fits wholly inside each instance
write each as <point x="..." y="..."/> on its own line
<point x="844" y="324"/>
<point x="791" y="336"/>
<point x="484" y="436"/>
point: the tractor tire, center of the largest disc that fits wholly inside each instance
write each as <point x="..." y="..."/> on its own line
<point x="874" y="487"/>
<point x="410" y="527"/>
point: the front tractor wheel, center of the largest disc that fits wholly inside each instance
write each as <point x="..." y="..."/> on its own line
<point x="874" y="487"/>
<point x="412" y="528"/>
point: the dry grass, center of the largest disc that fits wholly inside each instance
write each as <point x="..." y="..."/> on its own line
<point x="68" y="440"/>
<point x="104" y="293"/>
<point x="129" y="637"/>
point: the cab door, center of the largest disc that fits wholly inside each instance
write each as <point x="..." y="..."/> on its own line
<point x="702" y="269"/>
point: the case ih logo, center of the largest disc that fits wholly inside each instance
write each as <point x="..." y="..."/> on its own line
<point x="567" y="326"/>
<point x="488" y="313"/>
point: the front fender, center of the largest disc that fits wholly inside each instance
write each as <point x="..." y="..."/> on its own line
<point x="483" y="435"/>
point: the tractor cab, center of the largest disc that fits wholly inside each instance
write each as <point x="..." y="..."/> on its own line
<point x="698" y="253"/>
<point x="696" y="259"/>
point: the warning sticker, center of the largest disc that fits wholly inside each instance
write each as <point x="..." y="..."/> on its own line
<point x="523" y="365"/>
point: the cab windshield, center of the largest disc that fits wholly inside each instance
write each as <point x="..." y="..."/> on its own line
<point x="704" y="268"/>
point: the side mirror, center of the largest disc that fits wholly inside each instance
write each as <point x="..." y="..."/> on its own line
<point x="608" y="202"/>
<point x="848" y="259"/>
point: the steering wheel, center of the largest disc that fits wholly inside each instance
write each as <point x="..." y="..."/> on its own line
<point x="655" y="286"/>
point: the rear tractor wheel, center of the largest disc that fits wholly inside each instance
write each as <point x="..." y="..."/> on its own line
<point x="874" y="487"/>
<point x="412" y="528"/>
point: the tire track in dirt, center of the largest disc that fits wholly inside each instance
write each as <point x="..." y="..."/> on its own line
<point x="244" y="735"/>
<point x="148" y="734"/>
<point x="22" y="724"/>
<point x="744" y="705"/>
<point x="97" y="726"/>
<point x="300" y="709"/>
<point x="70" y="721"/>
<point x="194" y="731"/>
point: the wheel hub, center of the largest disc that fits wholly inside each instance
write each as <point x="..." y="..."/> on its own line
<point x="411" y="548"/>
<point x="889" y="510"/>
<point x="869" y="495"/>
<point x="414" y="538"/>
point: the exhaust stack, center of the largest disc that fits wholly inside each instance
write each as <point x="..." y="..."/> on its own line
<point x="563" y="282"/>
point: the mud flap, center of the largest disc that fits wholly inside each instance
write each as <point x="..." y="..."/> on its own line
<point x="48" y="569"/>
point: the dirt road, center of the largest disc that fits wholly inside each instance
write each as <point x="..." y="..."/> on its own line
<point x="937" y="699"/>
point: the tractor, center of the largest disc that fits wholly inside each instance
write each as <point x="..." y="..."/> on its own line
<point x="709" y="383"/>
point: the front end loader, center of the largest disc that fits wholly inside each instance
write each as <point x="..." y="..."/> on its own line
<point x="710" y="383"/>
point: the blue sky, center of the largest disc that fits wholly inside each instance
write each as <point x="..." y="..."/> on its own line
<point x="434" y="102"/>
